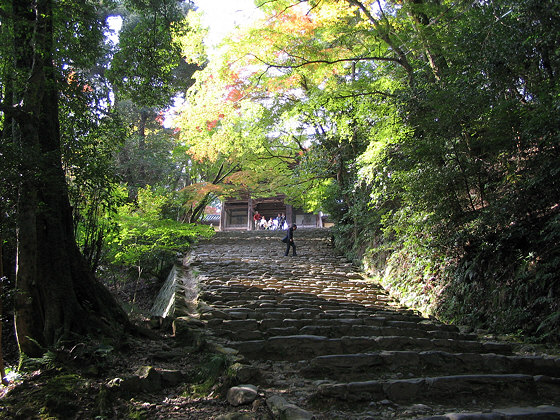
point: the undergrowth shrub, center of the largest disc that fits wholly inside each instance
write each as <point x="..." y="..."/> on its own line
<point x="146" y="239"/>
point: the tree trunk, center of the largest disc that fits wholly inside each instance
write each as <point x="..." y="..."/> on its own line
<point x="434" y="55"/>
<point x="56" y="293"/>
<point x="2" y="371"/>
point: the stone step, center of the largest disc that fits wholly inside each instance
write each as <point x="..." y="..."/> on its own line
<point x="545" y="412"/>
<point x="262" y="279"/>
<point x="459" y="389"/>
<point x="357" y="327"/>
<point x="301" y="347"/>
<point x="329" y="309"/>
<point x="313" y="330"/>
<point x="321" y="327"/>
<point x="362" y="366"/>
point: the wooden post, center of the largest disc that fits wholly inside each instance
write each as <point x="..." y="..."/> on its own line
<point x="223" y="216"/>
<point x="249" y="214"/>
<point x="290" y="214"/>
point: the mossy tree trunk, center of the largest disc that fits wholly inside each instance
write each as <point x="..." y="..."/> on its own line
<point x="56" y="293"/>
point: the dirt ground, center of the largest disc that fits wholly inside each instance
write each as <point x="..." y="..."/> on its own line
<point x="76" y="382"/>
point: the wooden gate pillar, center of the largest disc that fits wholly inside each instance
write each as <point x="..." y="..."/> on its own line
<point x="290" y="214"/>
<point x="250" y="214"/>
<point x="223" y="216"/>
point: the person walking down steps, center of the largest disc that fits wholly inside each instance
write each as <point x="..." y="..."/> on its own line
<point x="289" y="240"/>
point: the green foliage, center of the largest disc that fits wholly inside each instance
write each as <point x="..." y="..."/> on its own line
<point x="158" y="51"/>
<point x="94" y="220"/>
<point x="146" y="87"/>
<point x="73" y="73"/>
<point x="60" y="395"/>
<point x="55" y="389"/>
<point x="50" y="393"/>
<point x="46" y="361"/>
<point x="88" y="151"/>
<point x="137" y="414"/>
<point x="79" y="29"/>
<point x="146" y="66"/>
<point x="148" y="241"/>
<point x="146" y="159"/>
<point x="482" y="172"/>
<point x="429" y="131"/>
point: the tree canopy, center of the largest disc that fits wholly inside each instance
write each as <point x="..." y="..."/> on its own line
<point x="426" y="128"/>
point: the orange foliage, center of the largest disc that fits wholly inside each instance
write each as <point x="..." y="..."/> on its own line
<point x="243" y="178"/>
<point x="234" y="95"/>
<point x="296" y="20"/>
<point x="71" y="78"/>
<point x="210" y="125"/>
<point x="211" y="210"/>
<point x="200" y="189"/>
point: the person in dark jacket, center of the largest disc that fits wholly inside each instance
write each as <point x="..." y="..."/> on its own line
<point x="289" y="239"/>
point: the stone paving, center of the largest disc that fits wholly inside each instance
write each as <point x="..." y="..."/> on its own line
<point x="319" y="341"/>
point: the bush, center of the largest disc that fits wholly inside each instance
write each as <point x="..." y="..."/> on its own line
<point x="147" y="241"/>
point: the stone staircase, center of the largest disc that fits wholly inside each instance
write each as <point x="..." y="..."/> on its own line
<point x="332" y="345"/>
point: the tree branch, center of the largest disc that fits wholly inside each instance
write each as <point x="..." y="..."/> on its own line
<point x="282" y="11"/>
<point x="384" y="35"/>
<point x="13" y="111"/>
<point x="273" y="156"/>
<point x="310" y="62"/>
<point x="301" y="147"/>
<point x="374" y="92"/>
<point x="218" y="179"/>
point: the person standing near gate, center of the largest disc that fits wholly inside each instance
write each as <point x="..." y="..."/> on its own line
<point x="257" y="219"/>
<point x="289" y="240"/>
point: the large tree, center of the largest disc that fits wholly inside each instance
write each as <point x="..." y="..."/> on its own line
<point x="57" y="295"/>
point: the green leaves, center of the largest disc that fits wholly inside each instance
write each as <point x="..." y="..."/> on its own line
<point x="148" y="65"/>
<point x="430" y="126"/>
<point x="146" y="239"/>
<point x="142" y="66"/>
